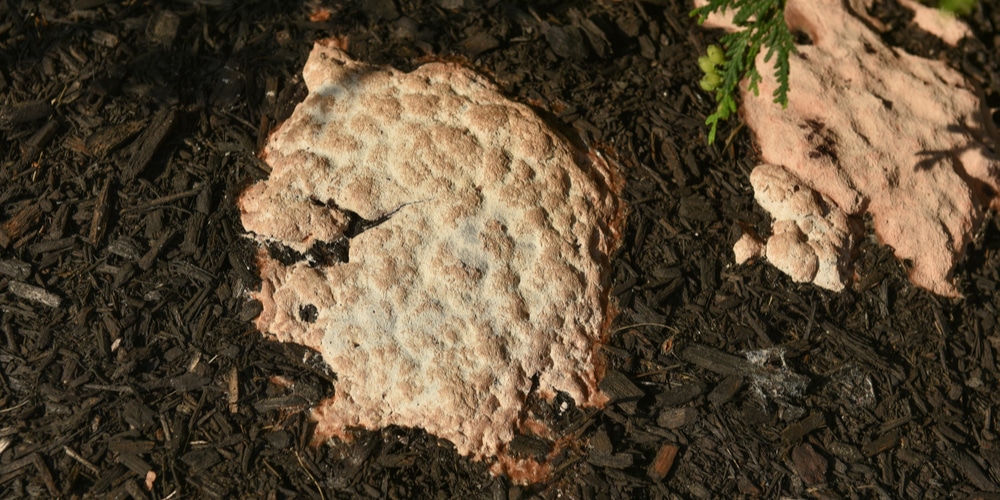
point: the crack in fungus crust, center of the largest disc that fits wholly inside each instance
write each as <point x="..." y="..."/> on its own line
<point x="488" y="266"/>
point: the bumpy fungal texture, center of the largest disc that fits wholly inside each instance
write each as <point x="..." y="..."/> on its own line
<point x="941" y="24"/>
<point x="810" y="237"/>
<point x="875" y="129"/>
<point x="489" y="267"/>
<point x="946" y="26"/>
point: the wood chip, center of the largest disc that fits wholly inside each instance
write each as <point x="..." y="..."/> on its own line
<point x="663" y="462"/>
<point x="613" y="461"/>
<point x="155" y="248"/>
<point x="477" y="44"/>
<point x="725" y="390"/>
<point x="884" y="442"/>
<point x="15" y="269"/>
<point x="107" y="139"/>
<point x="87" y="4"/>
<point x="83" y="461"/>
<point x="21" y="223"/>
<point x="134" y="463"/>
<point x="233" y="382"/>
<point x="34" y="294"/>
<point x="201" y="459"/>
<point x="45" y="473"/>
<point x="973" y="472"/>
<point x="38" y="140"/>
<point x="188" y="382"/>
<point x="192" y="234"/>
<point x="675" y="418"/>
<point x="809" y="464"/>
<point x="47" y="246"/>
<point x="715" y="360"/>
<point x="130" y="446"/>
<point x="529" y="446"/>
<point x="800" y="429"/>
<point x="125" y="247"/>
<point x="619" y="387"/>
<point x="678" y="396"/>
<point x="140" y="153"/>
<point x="102" y="213"/>
<point x="24" y="112"/>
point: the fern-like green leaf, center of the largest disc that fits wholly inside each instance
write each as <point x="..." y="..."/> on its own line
<point x="762" y="24"/>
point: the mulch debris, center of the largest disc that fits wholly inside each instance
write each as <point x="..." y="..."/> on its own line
<point x="129" y="367"/>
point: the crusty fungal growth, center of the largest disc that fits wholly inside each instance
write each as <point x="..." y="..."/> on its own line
<point x="484" y="262"/>
<point x="934" y="21"/>
<point x="810" y="235"/>
<point x="870" y="129"/>
<point x="941" y="24"/>
<point x="747" y="248"/>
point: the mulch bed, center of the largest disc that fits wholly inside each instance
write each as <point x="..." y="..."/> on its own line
<point x="129" y="366"/>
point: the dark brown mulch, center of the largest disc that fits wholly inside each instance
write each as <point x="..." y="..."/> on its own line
<point x="127" y="356"/>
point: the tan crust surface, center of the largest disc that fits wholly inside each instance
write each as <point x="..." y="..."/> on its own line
<point x="871" y="129"/>
<point x="945" y="26"/>
<point x="491" y="267"/>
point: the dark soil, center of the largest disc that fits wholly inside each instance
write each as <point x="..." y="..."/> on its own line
<point x="127" y="353"/>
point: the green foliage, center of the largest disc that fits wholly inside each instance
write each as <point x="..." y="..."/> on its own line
<point x="959" y="7"/>
<point x="708" y="64"/>
<point x="762" y="26"/>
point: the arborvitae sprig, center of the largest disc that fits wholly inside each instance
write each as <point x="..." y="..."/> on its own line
<point x="957" y="7"/>
<point x="762" y="24"/>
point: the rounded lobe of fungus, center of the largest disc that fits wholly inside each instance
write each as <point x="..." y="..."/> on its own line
<point x="788" y="250"/>
<point x="747" y="248"/>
